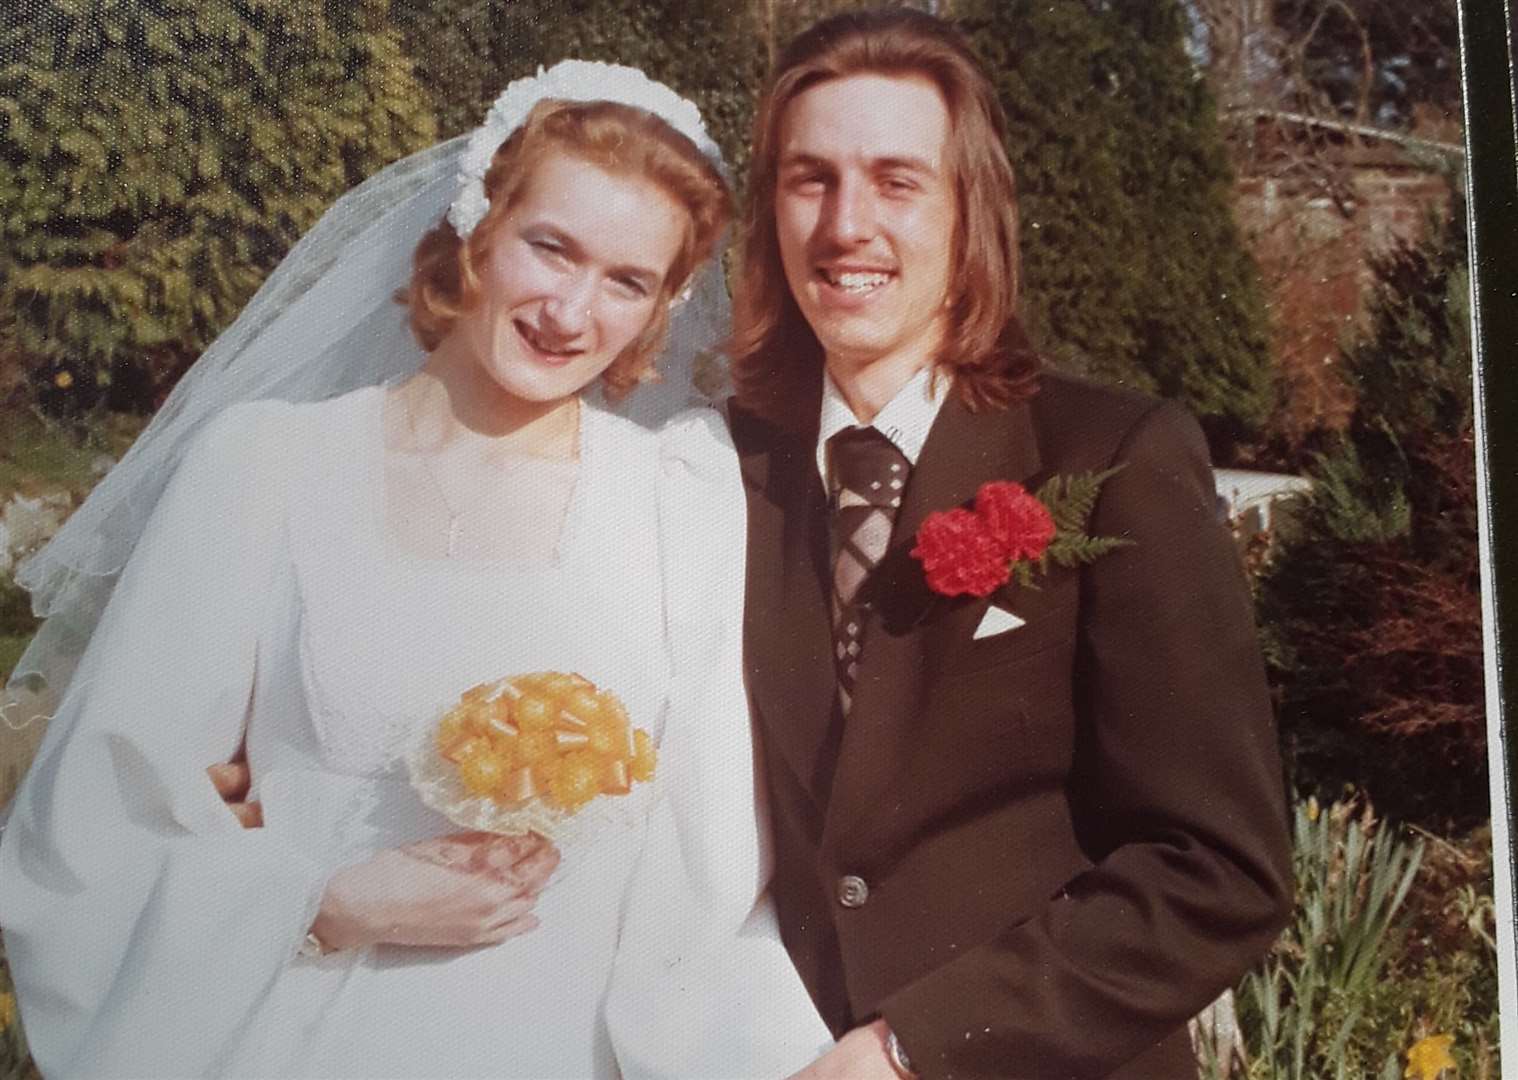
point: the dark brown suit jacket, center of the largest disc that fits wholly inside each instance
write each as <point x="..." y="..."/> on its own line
<point x="1039" y="853"/>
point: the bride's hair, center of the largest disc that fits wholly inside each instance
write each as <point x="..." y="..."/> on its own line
<point x="619" y="138"/>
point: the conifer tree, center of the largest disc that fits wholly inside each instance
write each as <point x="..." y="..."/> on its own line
<point x="1135" y="272"/>
<point x="1371" y="603"/>
<point x="468" y="50"/>
<point x="160" y="156"/>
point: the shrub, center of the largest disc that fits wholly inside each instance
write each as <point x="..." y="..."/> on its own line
<point x="157" y="158"/>
<point x="1371" y="603"/>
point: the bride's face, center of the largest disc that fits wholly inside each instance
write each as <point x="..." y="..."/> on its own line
<point x="571" y="277"/>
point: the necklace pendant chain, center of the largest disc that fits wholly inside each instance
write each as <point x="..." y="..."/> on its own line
<point x="455" y="517"/>
<point x="454" y="528"/>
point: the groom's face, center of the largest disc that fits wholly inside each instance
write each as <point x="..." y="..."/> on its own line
<point x="865" y="213"/>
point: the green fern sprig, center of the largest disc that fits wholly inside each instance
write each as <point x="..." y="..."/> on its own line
<point x="1071" y="497"/>
<point x="1070" y="500"/>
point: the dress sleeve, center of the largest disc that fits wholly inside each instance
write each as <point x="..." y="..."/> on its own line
<point x="703" y="985"/>
<point x="142" y="923"/>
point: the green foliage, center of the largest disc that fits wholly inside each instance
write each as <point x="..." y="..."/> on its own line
<point x="1370" y="604"/>
<point x="1306" y="1003"/>
<point x="161" y="155"/>
<point x="15" y="1063"/>
<point x="16" y="619"/>
<point x="1392" y="941"/>
<point x="1352" y="505"/>
<point x="40" y="455"/>
<point x="1070" y="500"/>
<point x="468" y="50"/>
<point x="1135" y="270"/>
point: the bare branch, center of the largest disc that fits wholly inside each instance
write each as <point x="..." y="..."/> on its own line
<point x="1347" y="127"/>
<point x="1367" y="61"/>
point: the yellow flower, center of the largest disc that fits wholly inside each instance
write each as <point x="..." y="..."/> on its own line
<point x="1429" y="1056"/>
<point x="63" y="380"/>
<point x="1312" y="808"/>
<point x="7" y="1010"/>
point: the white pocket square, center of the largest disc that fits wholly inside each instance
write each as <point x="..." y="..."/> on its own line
<point x="997" y="621"/>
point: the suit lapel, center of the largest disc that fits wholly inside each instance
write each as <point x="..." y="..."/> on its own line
<point x="787" y="622"/>
<point x="963" y="451"/>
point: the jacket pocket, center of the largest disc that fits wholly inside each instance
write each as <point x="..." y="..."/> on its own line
<point x="1044" y="629"/>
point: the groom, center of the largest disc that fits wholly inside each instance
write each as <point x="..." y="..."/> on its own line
<point x="1021" y="835"/>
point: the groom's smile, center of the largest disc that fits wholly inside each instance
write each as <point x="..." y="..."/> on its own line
<point x="865" y="213"/>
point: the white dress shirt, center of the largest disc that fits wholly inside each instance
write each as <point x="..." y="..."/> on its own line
<point x="906" y="419"/>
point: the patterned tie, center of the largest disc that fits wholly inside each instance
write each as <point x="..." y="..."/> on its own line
<point x="869" y="475"/>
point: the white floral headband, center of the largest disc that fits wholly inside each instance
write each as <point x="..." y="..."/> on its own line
<point x="568" y="80"/>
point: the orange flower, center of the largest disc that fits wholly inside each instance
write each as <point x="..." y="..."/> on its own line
<point x="644" y="756"/>
<point x="546" y="735"/>
<point x="483" y="773"/>
<point x="585" y="704"/>
<point x="534" y="713"/>
<point x="537" y="747"/>
<point x="464" y="747"/>
<point x="575" y="780"/>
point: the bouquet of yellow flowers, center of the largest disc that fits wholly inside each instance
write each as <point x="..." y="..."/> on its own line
<point x="529" y="752"/>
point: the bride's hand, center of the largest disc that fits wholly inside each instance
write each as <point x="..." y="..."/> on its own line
<point x="459" y="890"/>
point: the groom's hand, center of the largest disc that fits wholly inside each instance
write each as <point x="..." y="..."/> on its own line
<point x="231" y="780"/>
<point x="859" y="1055"/>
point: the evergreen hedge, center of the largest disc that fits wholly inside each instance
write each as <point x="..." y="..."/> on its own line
<point x="1135" y="271"/>
<point x="160" y="156"/>
<point x="468" y="50"/>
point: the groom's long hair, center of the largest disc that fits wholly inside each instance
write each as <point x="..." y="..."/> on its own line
<point x="777" y="359"/>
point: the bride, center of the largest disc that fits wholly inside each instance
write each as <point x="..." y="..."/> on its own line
<point x="345" y="545"/>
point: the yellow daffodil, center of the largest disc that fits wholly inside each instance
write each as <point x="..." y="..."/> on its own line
<point x="1429" y="1056"/>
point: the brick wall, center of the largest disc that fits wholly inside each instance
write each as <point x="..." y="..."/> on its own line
<point x="1314" y="239"/>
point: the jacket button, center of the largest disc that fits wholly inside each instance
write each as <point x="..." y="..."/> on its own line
<point x="852" y="891"/>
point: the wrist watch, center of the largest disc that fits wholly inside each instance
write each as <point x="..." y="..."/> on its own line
<point x="898" y="1057"/>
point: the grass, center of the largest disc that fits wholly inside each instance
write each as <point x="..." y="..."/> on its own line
<point x="43" y="456"/>
<point x="11" y="648"/>
<point x="39" y="455"/>
<point x="17" y="624"/>
<point x="15" y="1063"/>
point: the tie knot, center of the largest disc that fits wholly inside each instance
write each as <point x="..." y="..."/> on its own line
<point x="868" y="469"/>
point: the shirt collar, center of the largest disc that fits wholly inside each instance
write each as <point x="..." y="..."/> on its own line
<point x="906" y="419"/>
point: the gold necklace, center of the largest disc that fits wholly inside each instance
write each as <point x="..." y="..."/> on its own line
<point x="455" y="517"/>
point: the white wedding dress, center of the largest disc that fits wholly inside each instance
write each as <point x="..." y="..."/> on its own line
<point x="150" y="935"/>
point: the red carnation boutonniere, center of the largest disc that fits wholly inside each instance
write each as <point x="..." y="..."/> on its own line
<point x="1010" y="532"/>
